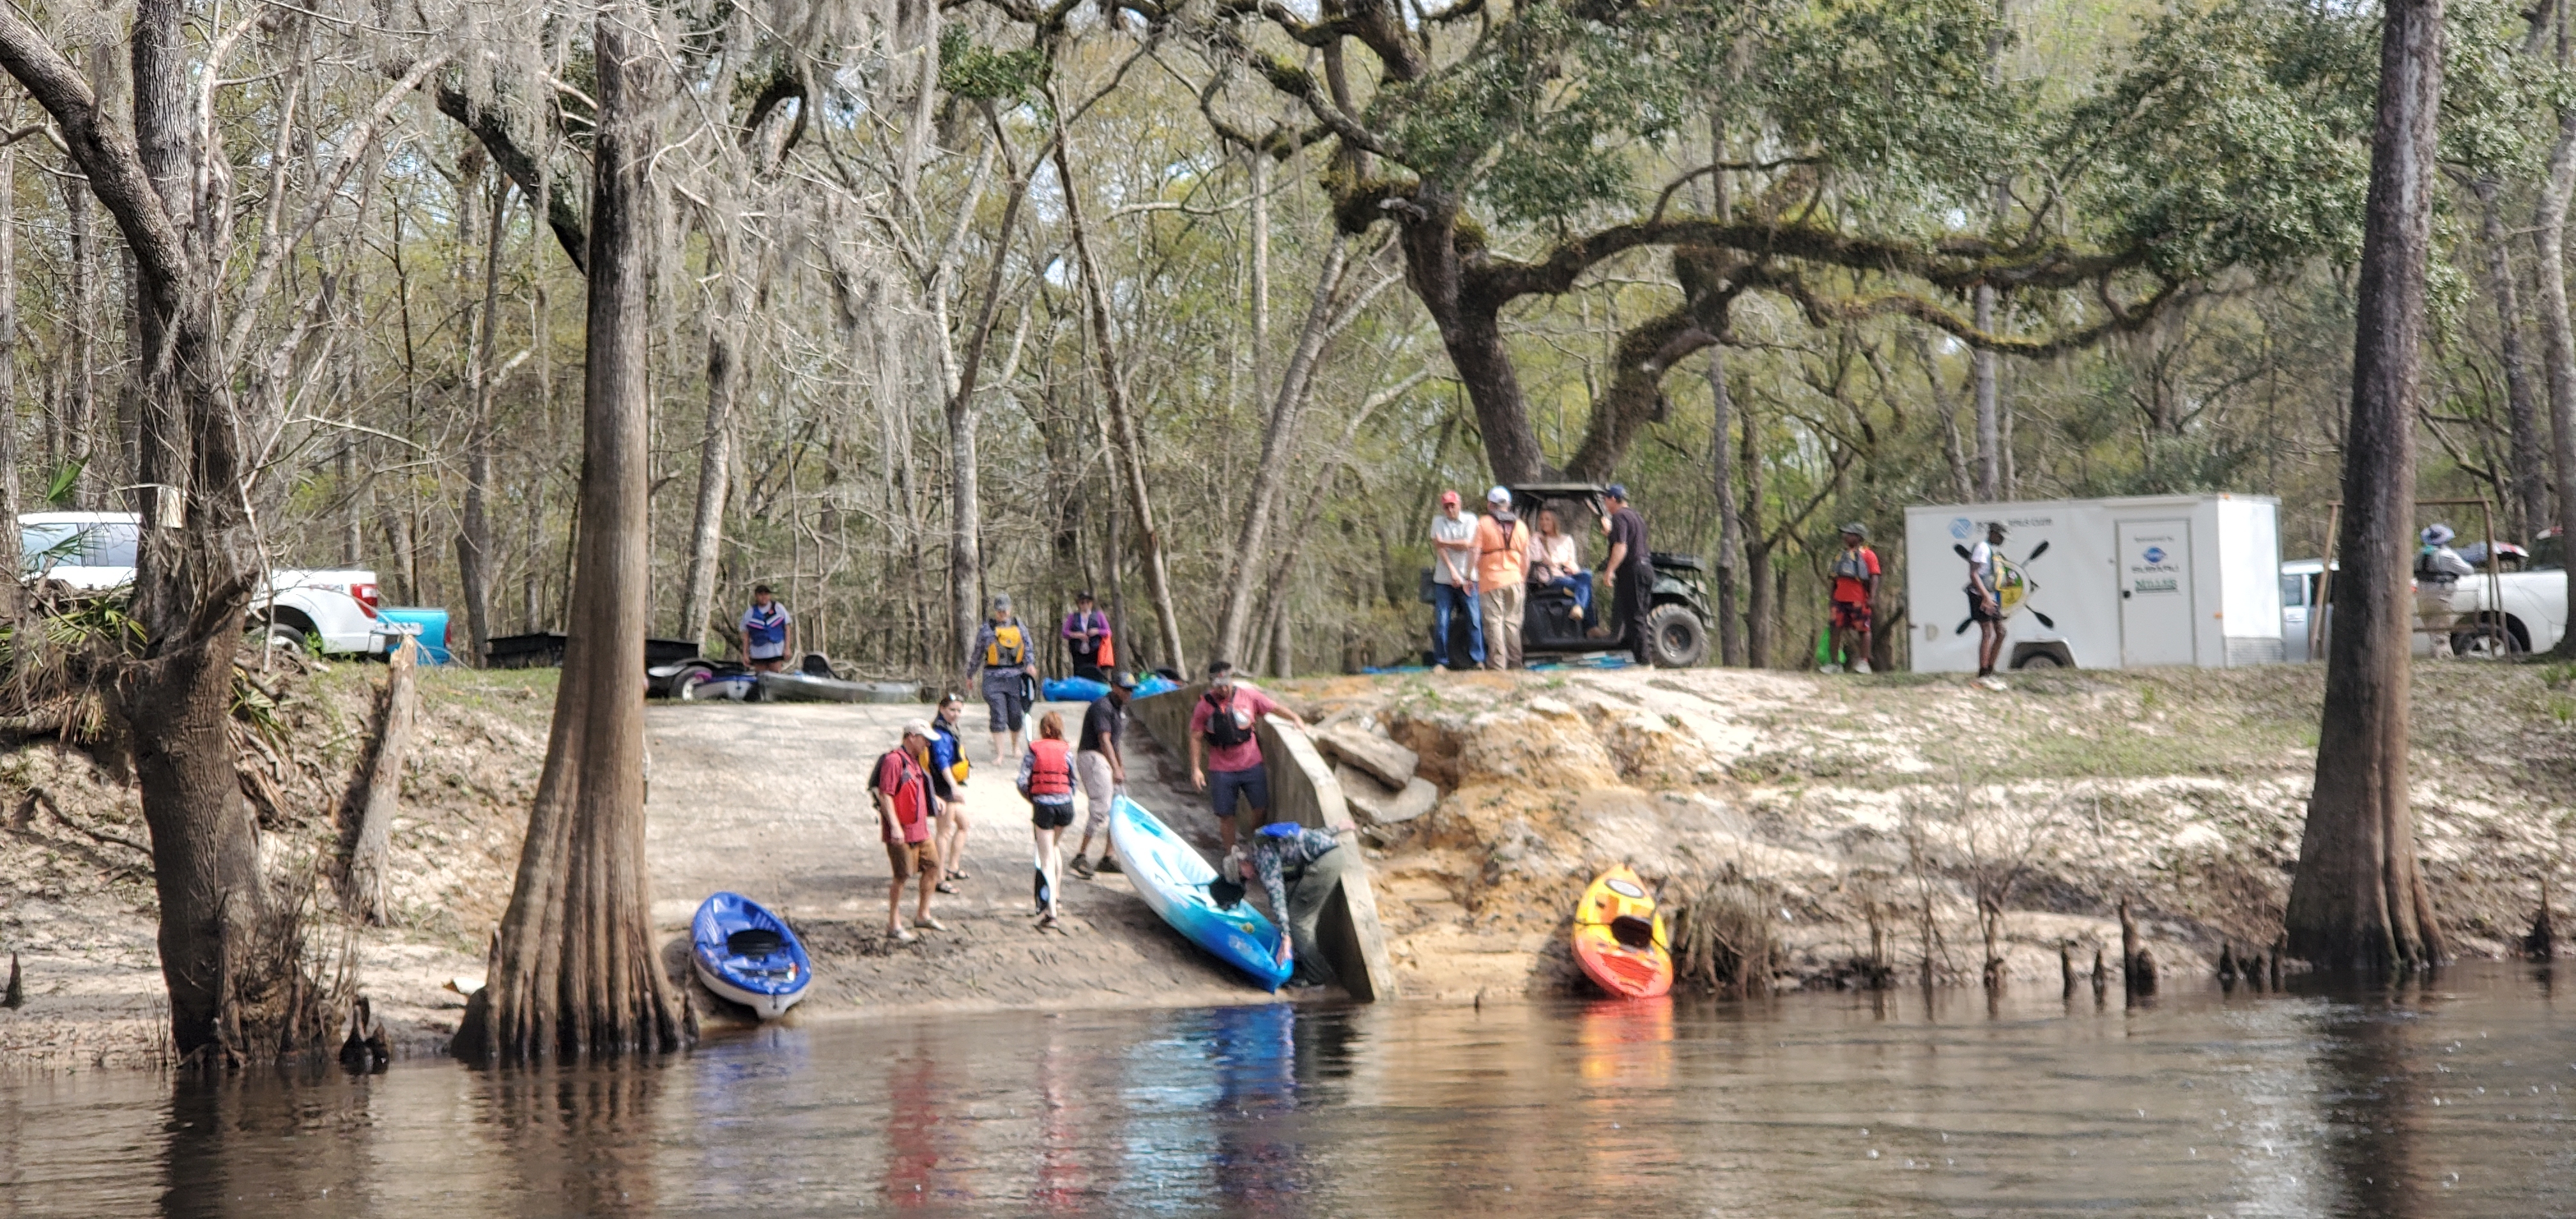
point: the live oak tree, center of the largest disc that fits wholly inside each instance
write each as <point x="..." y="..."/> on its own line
<point x="1878" y="117"/>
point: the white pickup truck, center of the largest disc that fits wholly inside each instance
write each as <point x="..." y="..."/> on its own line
<point x="2533" y="609"/>
<point x="95" y="551"/>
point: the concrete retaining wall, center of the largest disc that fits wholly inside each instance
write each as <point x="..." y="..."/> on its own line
<point x="1302" y="787"/>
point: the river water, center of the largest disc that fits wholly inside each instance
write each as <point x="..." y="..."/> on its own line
<point x="2447" y="1098"/>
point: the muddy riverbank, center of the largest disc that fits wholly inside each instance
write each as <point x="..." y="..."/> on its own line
<point x="1845" y="808"/>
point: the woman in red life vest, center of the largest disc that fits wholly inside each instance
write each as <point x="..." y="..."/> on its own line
<point x="1046" y="778"/>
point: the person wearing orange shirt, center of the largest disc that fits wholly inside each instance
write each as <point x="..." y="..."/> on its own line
<point x="1502" y="574"/>
<point x="1855" y="573"/>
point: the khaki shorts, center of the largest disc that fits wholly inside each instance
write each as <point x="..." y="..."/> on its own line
<point x="1099" y="787"/>
<point x="911" y="858"/>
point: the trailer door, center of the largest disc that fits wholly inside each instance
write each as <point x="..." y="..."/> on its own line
<point x="2156" y="618"/>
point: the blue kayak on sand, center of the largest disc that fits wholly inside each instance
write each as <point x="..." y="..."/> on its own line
<point x="1173" y="879"/>
<point x="749" y="955"/>
<point x="1074" y="690"/>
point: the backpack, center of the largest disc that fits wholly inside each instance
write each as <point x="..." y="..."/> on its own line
<point x="1853" y="565"/>
<point x="1009" y="649"/>
<point x="1222" y="731"/>
<point x="908" y="793"/>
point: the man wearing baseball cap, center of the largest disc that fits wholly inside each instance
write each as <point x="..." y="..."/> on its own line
<point x="1855" y="573"/>
<point x="1453" y="582"/>
<point x="905" y="792"/>
<point x="1502" y="578"/>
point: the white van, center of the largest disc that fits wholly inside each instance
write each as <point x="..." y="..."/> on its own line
<point x="2103" y="583"/>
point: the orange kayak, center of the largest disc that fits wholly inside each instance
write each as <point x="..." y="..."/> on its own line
<point x="1619" y="938"/>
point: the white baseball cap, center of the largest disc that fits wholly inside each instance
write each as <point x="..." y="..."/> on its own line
<point x="1499" y="495"/>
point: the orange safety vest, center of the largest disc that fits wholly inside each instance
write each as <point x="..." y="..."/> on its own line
<point x="1052" y="772"/>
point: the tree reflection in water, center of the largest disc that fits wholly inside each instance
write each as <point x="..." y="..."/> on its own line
<point x="2369" y="1103"/>
<point x="584" y="1135"/>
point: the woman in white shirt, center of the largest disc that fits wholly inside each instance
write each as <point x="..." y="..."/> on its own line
<point x="1555" y="563"/>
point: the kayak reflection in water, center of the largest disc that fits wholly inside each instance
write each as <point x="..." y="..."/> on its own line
<point x="1255" y="1053"/>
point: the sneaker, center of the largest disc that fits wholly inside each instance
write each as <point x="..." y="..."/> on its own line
<point x="1082" y="868"/>
<point x="1860" y="666"/>
<point x="900" y="935"/>
<point x="929" y="924"/>
<point x="1109" y="863"/>
<point x="1439" y="668"/>
<point x="1576" y="613"/>
<point x="1829" y="669"/>
<point x="1991" y="682"/>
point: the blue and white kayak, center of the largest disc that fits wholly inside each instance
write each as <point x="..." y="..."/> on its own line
<point x="749" y="955"/>
<point x="1173" y="879"/>
<point x="1074" y="690"/>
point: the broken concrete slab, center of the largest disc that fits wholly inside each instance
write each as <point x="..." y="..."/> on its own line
<point x="1383" y="759"/>
<point x="1374" y="803"/>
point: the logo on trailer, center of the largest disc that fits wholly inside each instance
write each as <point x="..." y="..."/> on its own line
<point x="2155" y="554"/>
<point x="1960" y="528"/>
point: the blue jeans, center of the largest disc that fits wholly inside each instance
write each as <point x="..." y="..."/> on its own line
<point x="1581" y="583"/>
<point x="1446" y="601"/>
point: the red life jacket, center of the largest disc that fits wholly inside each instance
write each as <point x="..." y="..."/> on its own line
<point x="1051" y="775"/>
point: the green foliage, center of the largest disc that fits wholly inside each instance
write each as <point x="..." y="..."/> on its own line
<point x="58" y="488"/>
<point x="2237" y="135"/>
<point x="970" y="69"/>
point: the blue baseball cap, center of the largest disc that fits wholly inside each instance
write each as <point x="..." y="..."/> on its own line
<point x="1280" y="829"/>
<point x="1616" y="491"/>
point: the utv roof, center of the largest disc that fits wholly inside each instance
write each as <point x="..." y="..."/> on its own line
<point x="1556" y="490"/>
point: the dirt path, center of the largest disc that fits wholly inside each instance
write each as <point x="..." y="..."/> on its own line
<point x="771" y="801"/>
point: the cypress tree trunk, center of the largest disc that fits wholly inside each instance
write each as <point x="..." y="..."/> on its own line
<point x="12" y="593"/>
<point x="1113" y="393"/>
<point x="576" y="971"/>
<point x="2526" y="486"/>
<point x="715" y="473"/>
<point x="474" y="550"/>
<point x="2358" y="900"/>
<point x="1730" y="522"/>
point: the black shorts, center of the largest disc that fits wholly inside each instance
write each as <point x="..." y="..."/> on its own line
<point x="1977" y="611"/>
<point x="1051" y="816"/>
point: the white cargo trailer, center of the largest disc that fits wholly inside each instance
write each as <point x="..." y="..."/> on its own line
<point x="2103" y="583"/>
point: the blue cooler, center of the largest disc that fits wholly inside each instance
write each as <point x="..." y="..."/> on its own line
<point x="427" y="625"/>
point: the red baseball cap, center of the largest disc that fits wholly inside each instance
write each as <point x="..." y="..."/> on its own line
<point x="1447" y="498"/>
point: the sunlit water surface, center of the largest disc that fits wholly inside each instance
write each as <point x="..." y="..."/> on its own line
<point x="2444" y="1099"/>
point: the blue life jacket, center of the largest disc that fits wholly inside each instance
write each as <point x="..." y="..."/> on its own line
<point x="766" y="628"/>
<point x="945" y="753"/>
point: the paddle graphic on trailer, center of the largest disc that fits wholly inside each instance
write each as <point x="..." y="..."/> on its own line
<point x="2013" y="588"/>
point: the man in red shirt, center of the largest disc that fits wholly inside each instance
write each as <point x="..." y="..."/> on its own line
<point x="1225" y="748"/>
<point x="1855" y="573"/>
<point x="905" y="794"/>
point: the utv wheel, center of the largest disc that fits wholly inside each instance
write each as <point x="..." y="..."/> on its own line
<point x="1675" y="637"/>
<point x="689" y="685"/>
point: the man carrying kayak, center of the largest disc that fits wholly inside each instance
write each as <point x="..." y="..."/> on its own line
<point x="1102" y="768"/>
<point x="1298" y="867"/>
<point x="1225" y="748"/>
<point x="1008" y="667"/>
<point x="768" y="633"/>
<point x="1086" y="640"/>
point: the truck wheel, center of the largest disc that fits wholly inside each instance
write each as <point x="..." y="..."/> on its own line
<point x="281" y="635"/>
<point x="1675" y="637"/>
